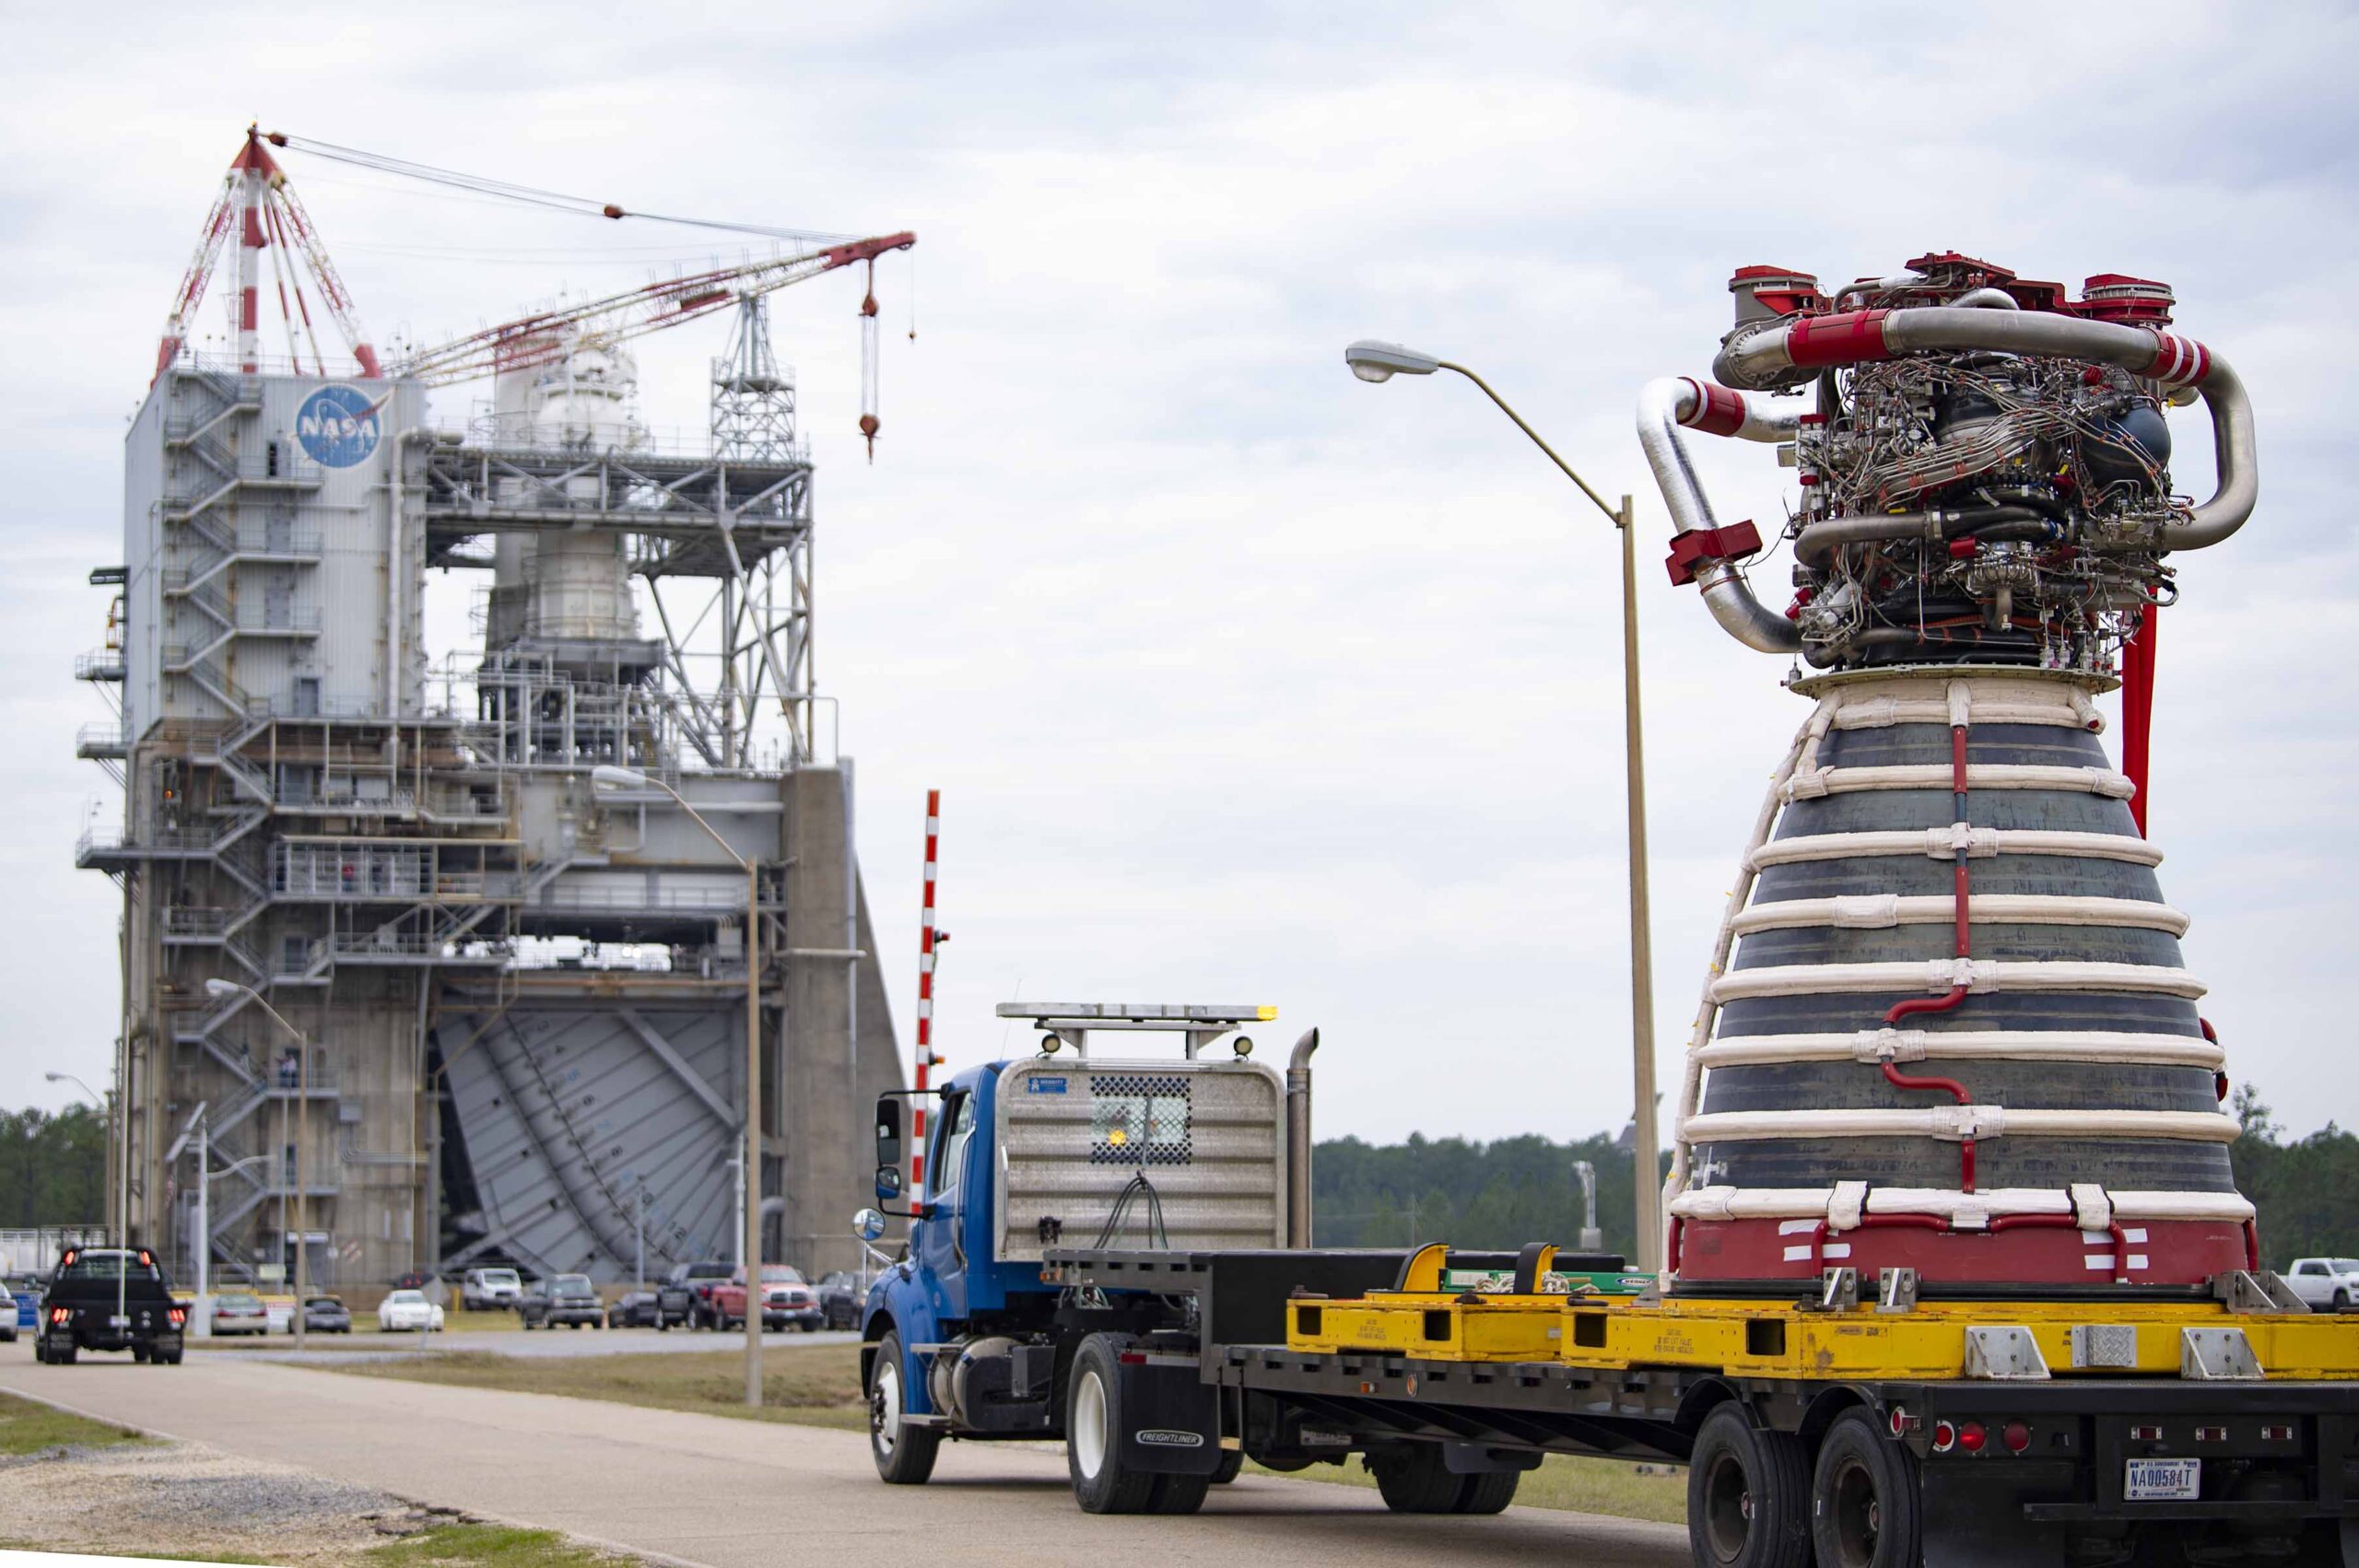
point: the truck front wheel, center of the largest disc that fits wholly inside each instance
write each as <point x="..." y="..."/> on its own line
<point x="1863" y="1498"/>
<point x="1748" y="1494"/>
<point x="1101" y="1482"/>
<point x="904" y="1454"/>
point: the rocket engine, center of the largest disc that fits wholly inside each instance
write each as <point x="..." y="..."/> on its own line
<point x="1947" y="1027"/>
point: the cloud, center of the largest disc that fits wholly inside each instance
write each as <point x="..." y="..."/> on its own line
<point x="1244" y="681"/>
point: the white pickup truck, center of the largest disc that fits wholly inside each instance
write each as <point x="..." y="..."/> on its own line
<point x="2332" y="1284"/>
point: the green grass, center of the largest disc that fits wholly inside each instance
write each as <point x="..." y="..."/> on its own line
<point x="27" y="1427"/>
<point x="487" y="1546"/>
<point x="1577" y="1484"/>
<point x="814" y="1387"/>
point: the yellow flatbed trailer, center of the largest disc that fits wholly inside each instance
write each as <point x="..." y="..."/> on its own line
<point x="1854" y="1427"/>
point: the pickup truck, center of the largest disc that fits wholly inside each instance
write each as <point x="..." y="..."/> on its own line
<point x="786" y="1299"/>
<point x="104" y="1298"/>
<point x="1113" y="1253"/>
<point x="2332" y="1284"/>
<point x="697" y="1280"/>
<point x="569" y="1299"/>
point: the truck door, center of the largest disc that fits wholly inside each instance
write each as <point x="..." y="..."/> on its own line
<point x="942" y="1251"/>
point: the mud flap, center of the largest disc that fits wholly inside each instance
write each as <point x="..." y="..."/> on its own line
<point x="1974" y="1519"/>
<point x="1170" y="1418"/>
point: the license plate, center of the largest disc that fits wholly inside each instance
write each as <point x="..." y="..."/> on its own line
<point x="118" y="1322"/>
<point x="2163" y="1480"/>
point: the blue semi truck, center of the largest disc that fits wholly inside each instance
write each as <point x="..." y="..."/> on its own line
<point x="1116" y="1254"/>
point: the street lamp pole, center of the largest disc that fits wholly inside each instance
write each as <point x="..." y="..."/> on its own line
<point x="609" y="779"/>
<point x="115" y="1134"/>
<point x="1373" y="361"/>
<point x="302" y="1139"/>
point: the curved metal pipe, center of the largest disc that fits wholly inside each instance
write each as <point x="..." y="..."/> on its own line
<point x="1816" y="544"/>
<point x="1985" y="299"/>
<point x="1666" y="404"/>
<point x="1298" y="1140"/>
<point x="1777" y="353"/>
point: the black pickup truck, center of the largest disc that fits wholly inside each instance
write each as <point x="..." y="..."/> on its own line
<point x="104" y="1298"/>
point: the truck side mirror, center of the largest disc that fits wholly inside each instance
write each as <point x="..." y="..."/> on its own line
<point x="888" y="1133"/>
<point x="889" y="1183"/>
<point x="868" y="1224"/>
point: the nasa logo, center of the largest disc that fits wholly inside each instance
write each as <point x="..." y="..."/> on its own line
<point x="338" y="427"/>
<point x="1044" y="1085"/>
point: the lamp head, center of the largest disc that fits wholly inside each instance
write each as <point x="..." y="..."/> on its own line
<point x="54" y="1077"/>
<point x="1372" y="360"/>
<point x="218" y="987"/>
<point x="607" y="776"/>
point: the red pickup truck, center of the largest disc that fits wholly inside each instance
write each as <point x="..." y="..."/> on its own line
<point x="787" y="1298"/>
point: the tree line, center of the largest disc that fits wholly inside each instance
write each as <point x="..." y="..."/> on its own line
<point x="53" y="1168"/>
<point x="1502" y="1194"/>
<point x="1496" y="1194"/>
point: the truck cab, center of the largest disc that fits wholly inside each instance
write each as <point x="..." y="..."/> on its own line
<point x="962" y="1335"/>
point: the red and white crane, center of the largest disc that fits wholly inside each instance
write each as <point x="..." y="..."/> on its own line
<point x="257" y="203"/>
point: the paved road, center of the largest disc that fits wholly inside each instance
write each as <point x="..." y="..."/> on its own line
<point x="332" y="1350"/>
<point x="724" y="1493"/>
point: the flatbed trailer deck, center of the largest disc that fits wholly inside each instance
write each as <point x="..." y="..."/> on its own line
<point x="2044" y="1481"/>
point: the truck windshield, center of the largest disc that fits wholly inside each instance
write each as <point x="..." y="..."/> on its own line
<point x="2347" y="1264"/>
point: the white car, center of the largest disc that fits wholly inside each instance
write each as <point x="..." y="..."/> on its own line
<point x="408" y="1310"/>
<point x="2329" y="1282"/>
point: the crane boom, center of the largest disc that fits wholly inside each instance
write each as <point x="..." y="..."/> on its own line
<point x="538" y="339"/>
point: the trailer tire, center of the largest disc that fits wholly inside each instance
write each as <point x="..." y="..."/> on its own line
<point x="1412" y="1478"/>
<point x="904" y="1454"/>
<point x="1863" y="1498"/>
<point x="1231" y="1463"/>
<point x="1101" y="1482"/>
<point x="1748" y="1494"/>
<point x="1487" y="1493"/>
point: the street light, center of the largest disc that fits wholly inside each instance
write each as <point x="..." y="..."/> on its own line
<point x="302" y="1116"/>
<point x="122" y="1195"/>
<point x="68" y="1078"/>
<point x="608" y="779"/>
<point x="1372" y="360"/>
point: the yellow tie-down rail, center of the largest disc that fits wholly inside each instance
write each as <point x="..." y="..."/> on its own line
<point x="1431" y="1321"/>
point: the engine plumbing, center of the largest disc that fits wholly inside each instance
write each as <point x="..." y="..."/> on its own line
<point x="1984" y="464"/>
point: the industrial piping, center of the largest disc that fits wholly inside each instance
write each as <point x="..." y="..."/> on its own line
<point x="1788" y="351"/>
<point x="1298" y="1140"/>
<point x="1663" y="406"/>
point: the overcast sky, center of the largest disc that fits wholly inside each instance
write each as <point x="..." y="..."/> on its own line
<point x="1244" y="681"/>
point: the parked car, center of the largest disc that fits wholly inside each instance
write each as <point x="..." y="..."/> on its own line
<point x="407" y="1311"/>
<point x="786" y="1299"/>
<point x="325" y="1315"/>
<point x="2329" y="1283"/>
<point x="698" y="1279"/>
<point x="840" y="1295"/>
<point x="20" y="1308"/>
<point x="240" y="1312"/>
<point x="489" y="1289"/>
<point x="637" y="1309"/>
<point x="569" y="1299"/>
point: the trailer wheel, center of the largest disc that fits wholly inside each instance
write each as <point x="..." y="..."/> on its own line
<point x="1863" y="1498"/>
<point x="1231" y="1463"/>
<point x="1412" y="1478"/>
<point x="1748" y="1495"/>
<point x="1487" y="1493"/>
<point x="1101" y="1482"/>
<point x="904" y="1454"/>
